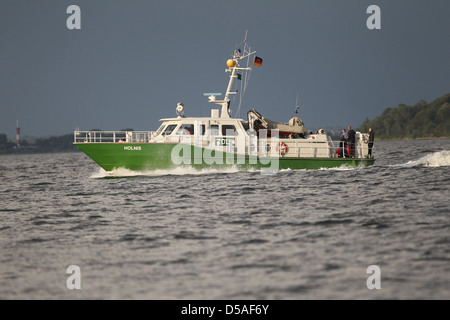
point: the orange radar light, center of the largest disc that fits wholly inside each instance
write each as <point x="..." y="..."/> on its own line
<point x="230" y="63"/>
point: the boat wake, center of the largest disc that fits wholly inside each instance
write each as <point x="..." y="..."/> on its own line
<point x="436" y="159"/>
<point x="343" y="168"/>
<point x="180" y="171"/>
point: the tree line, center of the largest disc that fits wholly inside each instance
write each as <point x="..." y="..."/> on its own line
<point x="62" y="143"/>
<point x="422" y="120"/>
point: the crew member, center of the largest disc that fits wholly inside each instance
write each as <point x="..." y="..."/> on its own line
<point x="351" y="140"/>
<point x="370" y="140"/>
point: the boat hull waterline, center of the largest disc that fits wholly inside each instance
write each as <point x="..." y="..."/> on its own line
<point x="156" y="156"/>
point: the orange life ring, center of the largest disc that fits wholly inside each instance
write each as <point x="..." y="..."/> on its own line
<point x="281" y="148"/>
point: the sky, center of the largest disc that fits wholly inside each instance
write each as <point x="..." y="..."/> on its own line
<point x="133" y="61"/>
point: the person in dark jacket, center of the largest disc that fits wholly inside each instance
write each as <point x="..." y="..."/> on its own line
<point x="351" y="140"/>
<point x="370" y="140"/>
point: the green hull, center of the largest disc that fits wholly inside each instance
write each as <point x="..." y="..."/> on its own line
<point x="157" y="156"/>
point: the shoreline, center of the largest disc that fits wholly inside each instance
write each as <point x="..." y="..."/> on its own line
<point x="411" y="139"/>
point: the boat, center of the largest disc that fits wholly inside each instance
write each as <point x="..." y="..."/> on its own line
<point x="221" y="141"/>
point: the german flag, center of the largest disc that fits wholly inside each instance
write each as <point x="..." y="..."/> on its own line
<point x="257" y="62"/>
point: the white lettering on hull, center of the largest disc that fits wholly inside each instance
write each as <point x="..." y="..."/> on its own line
<point x="132" y="148"/>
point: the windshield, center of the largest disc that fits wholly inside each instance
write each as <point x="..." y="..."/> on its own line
<point x="186" y="129"/>
<point x="169" y="130"/>
<point x="160" y="129"/>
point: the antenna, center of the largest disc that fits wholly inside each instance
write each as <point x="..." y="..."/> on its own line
<point x="297" y="107"/>
<point x="233" y="68"/>
<point x="245" y="40"/>
<point x="246" y="54"/>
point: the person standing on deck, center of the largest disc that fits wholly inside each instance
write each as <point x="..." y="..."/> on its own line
<point x="370" y="140"/>
<point x="351" y="139"/>
<point x="343" y="138"/>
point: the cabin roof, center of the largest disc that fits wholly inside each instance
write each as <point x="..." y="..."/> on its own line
<point x="183" y="119"/>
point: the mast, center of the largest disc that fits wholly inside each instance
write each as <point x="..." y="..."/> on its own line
<point x="233" y="67"/>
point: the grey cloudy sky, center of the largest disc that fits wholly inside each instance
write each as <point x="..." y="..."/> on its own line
<point x="132" y="61"/>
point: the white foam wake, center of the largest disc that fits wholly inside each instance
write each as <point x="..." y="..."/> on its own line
<point x="180" y="171"/>
<point x="436" y="159"/>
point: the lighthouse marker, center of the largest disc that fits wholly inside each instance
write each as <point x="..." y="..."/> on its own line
<point x="17" y="134"/>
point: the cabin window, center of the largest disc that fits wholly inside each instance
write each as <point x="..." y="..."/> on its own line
<point x="160" y="129"/>
<point x="186" y="129"/>
<point x="229" y="130"/>
<point x="214" y="129"/>
<point x="169" y="130"/>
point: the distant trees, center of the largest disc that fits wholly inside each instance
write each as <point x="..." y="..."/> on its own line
<point x="3" y="139"/>
<point x="53" y="144"/>
<point x="5" y="144"/>
<point x="56" y="144"/>
<point x="421" y="120"/>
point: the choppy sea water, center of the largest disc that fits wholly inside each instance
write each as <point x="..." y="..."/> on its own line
<point x="297" y="234"/>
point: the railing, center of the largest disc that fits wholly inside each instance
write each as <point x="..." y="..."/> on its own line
<point x="315" y="149"/>
<point x="249" y="146"/>
<point x="113" y="136"/>
<point x="339" y="149"/>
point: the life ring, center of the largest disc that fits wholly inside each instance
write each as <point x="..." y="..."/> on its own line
<point x="281" y="148"/>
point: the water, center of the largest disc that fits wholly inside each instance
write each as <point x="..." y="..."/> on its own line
<point x="227" y="235"/>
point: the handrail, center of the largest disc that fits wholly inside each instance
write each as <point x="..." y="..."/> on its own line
<point x="113" y="136"/>
<point x="262" y="146"/>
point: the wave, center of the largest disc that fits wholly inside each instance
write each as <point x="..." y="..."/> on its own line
<point x="436" y="159"/>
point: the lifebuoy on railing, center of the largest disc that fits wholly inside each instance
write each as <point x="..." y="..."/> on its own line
<point x="281" y="148"/>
